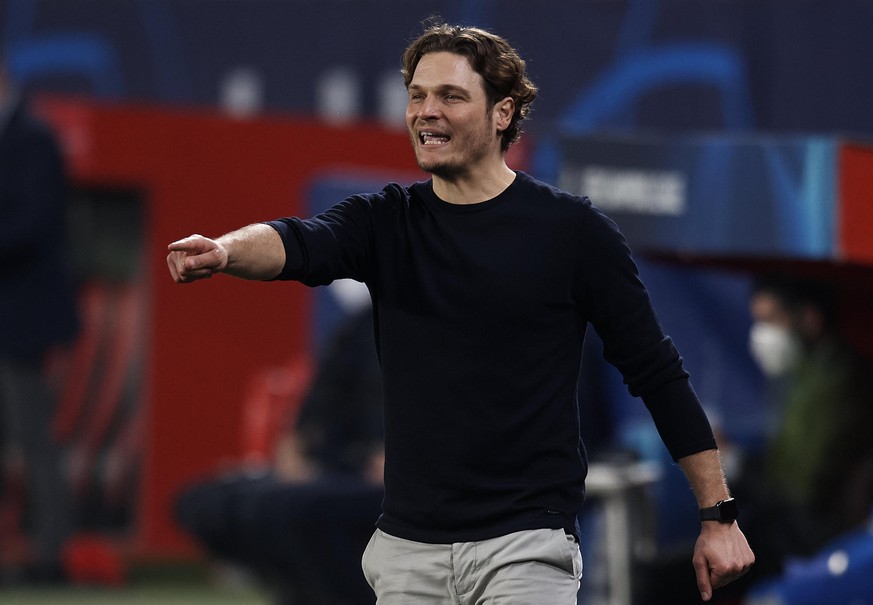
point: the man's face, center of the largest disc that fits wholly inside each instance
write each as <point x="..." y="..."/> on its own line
<point x="768" y="308"/>
<point x="773" y="343"/>
<point x="451" y="125"/>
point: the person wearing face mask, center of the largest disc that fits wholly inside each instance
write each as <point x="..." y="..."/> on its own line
<point x="814" y="477"/>
<point x="774" y="347"/>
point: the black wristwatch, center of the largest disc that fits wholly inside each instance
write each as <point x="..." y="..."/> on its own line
<point x="724" y="511"/>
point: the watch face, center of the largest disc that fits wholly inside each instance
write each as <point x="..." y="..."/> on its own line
<point x="727" y="510"/>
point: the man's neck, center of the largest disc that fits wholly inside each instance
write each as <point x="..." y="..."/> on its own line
<point x="473" y="189"/>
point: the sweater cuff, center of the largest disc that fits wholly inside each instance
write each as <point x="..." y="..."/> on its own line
<point x="680" y="419"/>
<point x="294" y="257"/>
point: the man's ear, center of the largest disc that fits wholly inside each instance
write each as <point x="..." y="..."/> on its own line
<point x="503" y="112"/>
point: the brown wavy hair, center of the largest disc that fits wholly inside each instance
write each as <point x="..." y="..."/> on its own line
<point x="489" y="55"/>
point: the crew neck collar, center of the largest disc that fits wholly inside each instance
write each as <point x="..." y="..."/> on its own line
<point x="475" y="206"/>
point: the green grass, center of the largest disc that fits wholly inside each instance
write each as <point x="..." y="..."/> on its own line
<point x="151" y="585"/>
<point x="133" y="595"/>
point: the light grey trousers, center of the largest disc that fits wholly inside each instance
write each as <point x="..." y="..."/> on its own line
<point x="532" y="567"/>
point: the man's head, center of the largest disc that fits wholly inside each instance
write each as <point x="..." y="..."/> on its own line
<point x="501" y="69"/>
<point x="788" y="315"/>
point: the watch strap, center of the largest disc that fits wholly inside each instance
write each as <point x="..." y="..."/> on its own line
<point x="724" y="511"/>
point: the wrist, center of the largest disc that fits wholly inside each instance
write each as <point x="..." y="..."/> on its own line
<point x="724" y="511"/>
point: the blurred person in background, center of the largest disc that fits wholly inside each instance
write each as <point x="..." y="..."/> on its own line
<point x="302" y="527"/>
<point x="483" y="282"/>
<point x="339" y="430"/>
<point x="814" y="478"/>
<point x="37" y="317"/>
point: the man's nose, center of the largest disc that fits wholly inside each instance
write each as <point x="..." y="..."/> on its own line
<point x="429" y="107"/>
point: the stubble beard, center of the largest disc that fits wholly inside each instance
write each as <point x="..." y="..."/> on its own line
<point x="452" y="170"/>
<point x="447" y="171"/>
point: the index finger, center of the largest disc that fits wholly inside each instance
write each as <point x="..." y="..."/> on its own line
<point x="192" y="243"/>
<point x="704" y="583"/>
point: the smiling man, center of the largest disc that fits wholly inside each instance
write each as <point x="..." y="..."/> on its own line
<point x="483" y="281"/>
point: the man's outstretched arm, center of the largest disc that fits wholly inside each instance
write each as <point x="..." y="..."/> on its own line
<point x="253" y="252"/>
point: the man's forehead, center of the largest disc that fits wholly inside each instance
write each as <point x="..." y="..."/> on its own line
<point x="768" y="307"/>
<point x="443" y="68"/>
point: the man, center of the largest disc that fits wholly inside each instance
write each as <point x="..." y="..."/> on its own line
<point x="814" y="479"/>
<point x="37" y="314"/>
<point x="483" y="281"/>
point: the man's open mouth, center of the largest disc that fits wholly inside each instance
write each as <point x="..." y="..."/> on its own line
<point x="432" y="138"/>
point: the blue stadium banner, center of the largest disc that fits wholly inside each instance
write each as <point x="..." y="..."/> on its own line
<point x="723" y="195"/>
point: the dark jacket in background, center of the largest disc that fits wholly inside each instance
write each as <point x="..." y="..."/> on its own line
<point x="37" y="307"/>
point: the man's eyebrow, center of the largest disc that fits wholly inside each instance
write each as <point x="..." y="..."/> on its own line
<point x="441" y="88"/>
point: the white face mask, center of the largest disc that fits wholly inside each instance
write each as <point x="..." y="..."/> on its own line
<point x="774" y="348"/>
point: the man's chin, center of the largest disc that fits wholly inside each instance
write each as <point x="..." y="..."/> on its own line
<point x="444" y="171"/>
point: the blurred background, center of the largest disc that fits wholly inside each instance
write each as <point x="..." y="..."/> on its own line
<point x="731" y="141"/>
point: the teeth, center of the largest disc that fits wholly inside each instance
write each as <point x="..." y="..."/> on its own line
<point x="430" y="138"/>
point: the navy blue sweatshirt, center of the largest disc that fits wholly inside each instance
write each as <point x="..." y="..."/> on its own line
<point x="480" y="313"/>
